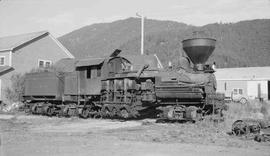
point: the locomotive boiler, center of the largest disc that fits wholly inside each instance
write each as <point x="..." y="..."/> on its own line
<point x="110" y="87"/>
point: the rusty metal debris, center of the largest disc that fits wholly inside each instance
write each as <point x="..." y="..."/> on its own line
<point x="259" y="130"/>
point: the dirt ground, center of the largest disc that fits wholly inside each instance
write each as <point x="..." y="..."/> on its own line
<point x="28" y="135"/>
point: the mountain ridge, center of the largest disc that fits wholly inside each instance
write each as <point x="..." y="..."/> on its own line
<point x="241" y="44"/>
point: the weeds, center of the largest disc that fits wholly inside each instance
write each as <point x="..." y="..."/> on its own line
<point x="204" y="132"/>
<point x="15" y="91"/>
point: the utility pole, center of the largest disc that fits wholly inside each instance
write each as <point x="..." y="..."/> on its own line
<point x="142" y="32"/>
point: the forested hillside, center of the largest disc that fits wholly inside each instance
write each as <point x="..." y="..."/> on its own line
<point x="245" y="43"/>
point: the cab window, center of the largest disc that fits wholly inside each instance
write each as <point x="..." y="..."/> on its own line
<point x="99" y="72"/>
<point x="93" y="72"/>
<point x="88" y="73"/>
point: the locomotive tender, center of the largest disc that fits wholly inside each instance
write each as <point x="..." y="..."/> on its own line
<point x="110" y="87"/>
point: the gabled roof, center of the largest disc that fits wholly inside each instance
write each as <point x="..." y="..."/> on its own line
<point x="9" y="43"/>
<point x="246" y="73"/>
<point x="89" y="62"/>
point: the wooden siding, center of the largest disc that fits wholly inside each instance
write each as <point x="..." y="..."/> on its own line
<point x="26" y="58"/>
<point x="7" y="56"/>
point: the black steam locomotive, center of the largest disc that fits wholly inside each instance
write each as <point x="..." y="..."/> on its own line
<point x="110" y="87"/>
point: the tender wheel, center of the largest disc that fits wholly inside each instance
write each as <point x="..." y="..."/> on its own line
<point x="50" y="111"/>
<point x="243" y="100"/>
<point x="34" y="109"/>
<point x="124" y="113"/>
<point x="64" y="111"/>
<point x="85" y="113"/>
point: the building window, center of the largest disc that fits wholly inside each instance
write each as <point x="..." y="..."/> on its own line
<point x="241" y="91"/>
<point x="47" y="64"/>
<point x="2" y="60"/>
<point x="235" y="91"/>
<point x="225" y="86"/>
<point x="238" y="91"/>
<point x="44" y="63"/>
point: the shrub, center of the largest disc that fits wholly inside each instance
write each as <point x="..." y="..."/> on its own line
<point x="15" y="91"/>
<point x="265" y="109"/>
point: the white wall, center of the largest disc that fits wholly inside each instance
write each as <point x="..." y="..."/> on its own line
<point x="230" y="85"/>
<point x="252" y="89"/>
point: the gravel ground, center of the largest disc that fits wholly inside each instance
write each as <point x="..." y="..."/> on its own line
<point x="39" y="135"/>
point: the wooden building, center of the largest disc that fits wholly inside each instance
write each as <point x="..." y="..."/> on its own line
<point x="22" y="53"/>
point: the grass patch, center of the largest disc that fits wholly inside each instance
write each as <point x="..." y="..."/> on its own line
<point x="204" y="132"/>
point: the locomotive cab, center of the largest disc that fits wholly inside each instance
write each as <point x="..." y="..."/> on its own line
<point x="91" y="71"/>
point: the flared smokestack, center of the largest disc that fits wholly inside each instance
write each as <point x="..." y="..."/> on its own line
<point x="199" y="49"/>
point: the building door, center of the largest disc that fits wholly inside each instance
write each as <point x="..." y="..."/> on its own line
<point x="268" y="90"/>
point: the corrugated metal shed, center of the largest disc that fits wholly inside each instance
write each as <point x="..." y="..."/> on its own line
<point x="89" y="62"/>
<point x="11" y="42"/>
<point x="246" y="73"/>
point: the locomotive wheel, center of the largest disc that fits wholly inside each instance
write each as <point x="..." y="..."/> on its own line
<point x="124" y="113"/>
<point x="191" y="113"/>
<point x="105" y="112"/>
<point x="95" y="113"/>
<point x="96" y="116"/>
<point x="85" y="113"/>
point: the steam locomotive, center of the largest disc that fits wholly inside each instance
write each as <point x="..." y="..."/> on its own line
<point x="110" y="88"/>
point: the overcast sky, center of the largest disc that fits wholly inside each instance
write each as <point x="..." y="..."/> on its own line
<point x="63" y="16"/>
